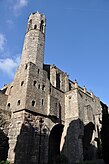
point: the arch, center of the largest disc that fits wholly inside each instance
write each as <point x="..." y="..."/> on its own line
<point x="54" y="143"/>
<point x="18" y="102"/>
<point x="35" y="26"/>
<point x="33" y="103"/>
<point x="42" y="26"/>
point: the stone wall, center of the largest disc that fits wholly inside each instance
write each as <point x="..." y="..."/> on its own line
<point x="3" y="100"/>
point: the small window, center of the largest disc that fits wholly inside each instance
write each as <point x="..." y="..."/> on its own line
<point x="30" y="21"/>
<point x="34" y="83"/>
<point x="18" y="103"/>
<point x="42" y="102"/>
<point x="8" y="105"/>
<point x="70" y="86"/>
<point x="35" y="26"/>
<point x="39" y="86"/>
<point x="26" y="66"/>
<point x="22" y="83"/>
<point x="38" y="71"/>
<point x="42" y="26"/>
<point x="33" y="103"/>
<point x="43" y="87"/>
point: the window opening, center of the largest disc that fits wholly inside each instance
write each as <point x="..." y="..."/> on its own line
<point x="43" y="87"/>
<point x="35" y="26"/>
<point x="42" y="102"/>
<point x="22" y="83"/>
<point x="18" y="103"/>
<point x="34" y="83"/>
<point x="33" y="103"/>
<point x="58" y="80"/>
<point x="70" y="86"/>
<point x="39" y="86"/>
<point x="26" y="66"/>
<point x="38" y="71"/>
<point x="42" y="25"/>
<point x="8" y="105"/>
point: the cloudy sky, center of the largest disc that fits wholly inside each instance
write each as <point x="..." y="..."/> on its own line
<point x="77" y="39"/>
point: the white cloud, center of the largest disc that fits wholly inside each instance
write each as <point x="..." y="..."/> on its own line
<point x="9" y="65"/>
<point x="2" y="42"/>
<point x="20" y="4"/>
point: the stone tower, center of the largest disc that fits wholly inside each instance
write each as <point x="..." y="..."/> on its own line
<point x="26" y="93"/>
<point x="50" y="114"/>
<point x="33" y="48"/>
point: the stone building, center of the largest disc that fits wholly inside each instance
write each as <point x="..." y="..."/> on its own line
<point x="51" y="115"/>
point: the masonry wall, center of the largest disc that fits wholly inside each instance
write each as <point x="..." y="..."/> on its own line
<point x="71" y="145"/>
<point x="3" y="100"/>
<point x="90" y="112"/>
<point x="18" y="89"/>
<point x="37" y="90"/>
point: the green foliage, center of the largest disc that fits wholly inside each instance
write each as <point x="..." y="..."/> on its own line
<point x="4" y="162"/>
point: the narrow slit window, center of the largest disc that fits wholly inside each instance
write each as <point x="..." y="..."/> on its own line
<point x="38" y="71"/>
<point x="42" y="102"/>
<point x="43" y="87"/>
<point x="26" y="66"/>
<point x="39" y="86"/>
<point x="22" y="83"/>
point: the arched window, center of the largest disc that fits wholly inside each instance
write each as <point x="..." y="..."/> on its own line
<point x="33" y="103"/>
<point x="18" y="102"/>
<point x="8" y="105"/>
<point x="42" y="26"/>
<point x="34" y="83"/>
<point x="43" y="87"/>
<point x="35" y="26"/>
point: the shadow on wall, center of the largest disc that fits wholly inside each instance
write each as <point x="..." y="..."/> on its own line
<point x="89" y="150"/>
<point x="4" y="146"/>
<point x="23" y="148"/>
<point x="105" y="133"/>
<point x="31" y="146"/>
<point x="54" y="143"/>
<point x="77" y="145"/>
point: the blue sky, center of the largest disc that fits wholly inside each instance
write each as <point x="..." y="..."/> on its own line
<point x="77" y="39"/>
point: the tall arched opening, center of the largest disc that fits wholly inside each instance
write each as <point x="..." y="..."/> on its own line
<point x="54" y="143"/>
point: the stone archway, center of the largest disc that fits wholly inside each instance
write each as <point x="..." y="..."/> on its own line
<point x="54" y="143"/>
